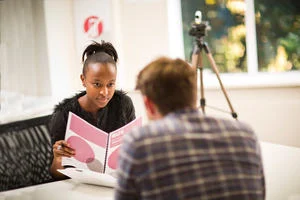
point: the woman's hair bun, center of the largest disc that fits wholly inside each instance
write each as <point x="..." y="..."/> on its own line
<point x="103" y="46"/>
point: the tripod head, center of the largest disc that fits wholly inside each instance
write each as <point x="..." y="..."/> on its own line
<point x="199" y="28"/>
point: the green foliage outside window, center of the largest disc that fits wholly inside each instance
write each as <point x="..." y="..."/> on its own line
<point x="278" y="34"/>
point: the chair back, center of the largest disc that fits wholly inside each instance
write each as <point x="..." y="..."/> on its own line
<point x="25" y="153"/>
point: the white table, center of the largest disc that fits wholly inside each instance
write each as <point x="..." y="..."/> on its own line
<point x="281" y="164"/>
<point x="282" y="171"/>
<point x="59" y="190"/>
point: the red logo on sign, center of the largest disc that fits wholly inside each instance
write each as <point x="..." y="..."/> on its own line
<point x="93" y="26"/>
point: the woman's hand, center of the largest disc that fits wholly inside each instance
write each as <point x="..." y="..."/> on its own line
<point x="62" y="148"/>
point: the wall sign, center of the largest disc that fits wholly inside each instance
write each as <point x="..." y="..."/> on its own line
<point x="93" y="26"/>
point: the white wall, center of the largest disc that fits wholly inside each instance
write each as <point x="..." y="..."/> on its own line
<point x="64" y="71"/>
<point x="144" y="35"/>
<point x="272" y="112"/>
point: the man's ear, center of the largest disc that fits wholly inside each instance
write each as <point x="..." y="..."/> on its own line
<point x="149" y="105"/>
<point x="82" y="80"/>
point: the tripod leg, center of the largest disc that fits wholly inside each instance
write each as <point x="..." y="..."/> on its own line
<point x="198" y="64"/>
<point x="202" y="99"/>
<point x="215" y="69"/>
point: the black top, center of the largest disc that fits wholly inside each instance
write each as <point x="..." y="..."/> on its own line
<point x="118" y="112"/>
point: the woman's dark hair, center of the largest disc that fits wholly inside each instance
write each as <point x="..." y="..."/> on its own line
<point x="103" y="52"/>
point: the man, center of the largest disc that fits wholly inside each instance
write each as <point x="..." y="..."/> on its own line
<point x="182" y="154"/>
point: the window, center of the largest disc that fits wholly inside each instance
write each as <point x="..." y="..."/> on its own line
<point x="227" y="36"/>
<point x="278" y="35"/>
<point x="248" y="39"/>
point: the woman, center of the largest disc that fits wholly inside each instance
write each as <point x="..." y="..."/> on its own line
<point x="100" y="104"/>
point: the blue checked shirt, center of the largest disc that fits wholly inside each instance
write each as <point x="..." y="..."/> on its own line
<point x="187" y="155"/>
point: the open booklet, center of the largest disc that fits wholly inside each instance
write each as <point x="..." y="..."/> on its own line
<point x="96" y="150"/>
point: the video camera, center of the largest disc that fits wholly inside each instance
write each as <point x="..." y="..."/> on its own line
<point x="199" y="28"/>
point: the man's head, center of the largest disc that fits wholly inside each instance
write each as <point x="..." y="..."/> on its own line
<point x="167" y="85"/>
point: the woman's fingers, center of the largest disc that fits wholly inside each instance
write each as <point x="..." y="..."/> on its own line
<point x="62" y="148"/>
<point x="62" y="153"/>
<point x="68" y="150"/>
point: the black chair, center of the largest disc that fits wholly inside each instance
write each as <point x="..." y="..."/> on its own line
<point x="25" y="153"/>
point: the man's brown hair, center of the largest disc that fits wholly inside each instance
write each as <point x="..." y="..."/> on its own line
<point x="169" y="83"/>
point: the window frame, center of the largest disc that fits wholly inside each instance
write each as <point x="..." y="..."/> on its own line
<point x="250" y="79"/>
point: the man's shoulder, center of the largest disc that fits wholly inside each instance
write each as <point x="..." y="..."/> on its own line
<point x="225" y="128"/>
<point x="152" y="129"/>
<point x="201" y="125"/>
<point x="194" y="120"/>
<point x="233" y="124"/>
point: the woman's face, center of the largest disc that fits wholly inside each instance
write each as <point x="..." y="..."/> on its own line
<point x="99" y="80"/>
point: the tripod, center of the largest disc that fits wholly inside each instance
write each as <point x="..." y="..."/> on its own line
<point x="197" y="64"/>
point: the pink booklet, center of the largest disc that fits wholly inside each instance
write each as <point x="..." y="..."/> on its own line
<point x="96" y="150"/>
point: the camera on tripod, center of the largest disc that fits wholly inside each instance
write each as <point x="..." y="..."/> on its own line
<point x="199" y="28"/>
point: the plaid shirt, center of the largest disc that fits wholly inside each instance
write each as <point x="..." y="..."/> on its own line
<point x="187" y="155"/>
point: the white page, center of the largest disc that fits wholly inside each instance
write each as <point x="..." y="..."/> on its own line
<point x="89" y="177"/>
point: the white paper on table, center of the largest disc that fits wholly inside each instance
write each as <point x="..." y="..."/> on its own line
<point x="89" y="177"/>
